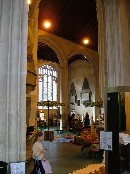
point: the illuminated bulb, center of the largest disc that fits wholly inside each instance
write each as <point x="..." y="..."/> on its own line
<point x="47" y="24"/>
<point x="86" y="41"/>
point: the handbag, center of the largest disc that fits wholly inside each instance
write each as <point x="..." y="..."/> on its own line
<point x="47" y="167"/>
<point x="37" y="166"/>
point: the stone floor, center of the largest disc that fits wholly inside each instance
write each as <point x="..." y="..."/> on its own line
<point x="64" y="157"/>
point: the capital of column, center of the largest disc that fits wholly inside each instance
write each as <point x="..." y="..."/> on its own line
<point x="63" y="63"/>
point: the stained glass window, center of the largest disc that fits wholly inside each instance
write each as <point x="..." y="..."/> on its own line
<point x="47" y="83"/>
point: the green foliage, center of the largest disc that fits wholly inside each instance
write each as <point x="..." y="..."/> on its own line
<point x="50" y="103"/>
<point x="98" y="103"/>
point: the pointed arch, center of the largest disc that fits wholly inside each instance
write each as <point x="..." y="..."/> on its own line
<point x="91" y="56"/>
<point x="53" y="45"/>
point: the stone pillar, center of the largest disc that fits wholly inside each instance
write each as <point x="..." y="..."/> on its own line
<point x="124" y="22"/>
<point x="64" y="94"/>
<point x="112" y="42"/>
<point x="13" y="52"/>
<point x="117" y="51"/>
<point x="101" y="47"/>
<point x="32" y="50"/>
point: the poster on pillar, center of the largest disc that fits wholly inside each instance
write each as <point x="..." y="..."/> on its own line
<point x="17" y="168"/>
<point x="106" y="140"/>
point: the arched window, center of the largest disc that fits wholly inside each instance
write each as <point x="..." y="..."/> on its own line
<point x="47" y="83"/>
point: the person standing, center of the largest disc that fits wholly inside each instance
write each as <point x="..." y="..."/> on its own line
<point x="86" y="120"/>
<point x="38" y="153"/>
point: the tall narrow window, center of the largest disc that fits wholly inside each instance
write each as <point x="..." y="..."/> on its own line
<point x="47" y="83"/>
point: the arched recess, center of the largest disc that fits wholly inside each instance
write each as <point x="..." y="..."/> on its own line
<point x="63" y="75"/>
<point x="92" y="59"/>
<point x="53" y="45"/>
<point x="91" y="56"/>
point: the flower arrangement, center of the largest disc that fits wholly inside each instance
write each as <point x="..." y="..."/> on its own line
<point x="86" y="137"/>
<point x="95" y="147"/>
<point x="50" y="103"/>
<point x="68" y="136"/>
<point x="98" y="103"/>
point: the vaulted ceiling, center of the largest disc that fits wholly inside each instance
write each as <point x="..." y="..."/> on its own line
<point x="71" y="20"/>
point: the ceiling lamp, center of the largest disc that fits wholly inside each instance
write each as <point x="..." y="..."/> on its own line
<point x="47" y="24"/>
<point x="85" y="41"/>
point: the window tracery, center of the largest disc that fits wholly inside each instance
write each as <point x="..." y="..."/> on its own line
<point x="47" y="83"/>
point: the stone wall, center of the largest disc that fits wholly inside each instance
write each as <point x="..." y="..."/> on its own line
<point x="78" y="70"/>
<point x="65" y="50"/>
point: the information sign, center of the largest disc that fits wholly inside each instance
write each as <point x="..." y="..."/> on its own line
<point x="17" y="167"/>
<point x="106" y="140"/>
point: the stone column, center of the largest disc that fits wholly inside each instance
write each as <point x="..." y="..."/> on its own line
<point x="22" y="81"/>
<point x="112" y="41"/>
<point x="124" y="22"/>
<point x="13" y="52"/>
<point x="32" y="50"/>
<point x="117" y="42"/>
<point x="101" y="47"/>
<point x="64" y="93"/>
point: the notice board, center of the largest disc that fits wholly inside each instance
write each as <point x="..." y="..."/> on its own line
<point x="106" y="140"/>
<point x="17" y="167"/>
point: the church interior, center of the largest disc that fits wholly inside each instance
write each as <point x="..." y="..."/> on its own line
<point x="66" y="72"/>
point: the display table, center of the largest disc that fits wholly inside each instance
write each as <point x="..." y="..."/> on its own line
<point x="48" y="135"/>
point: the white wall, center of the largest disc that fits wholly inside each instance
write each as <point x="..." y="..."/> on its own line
<point x="78" y="70"/>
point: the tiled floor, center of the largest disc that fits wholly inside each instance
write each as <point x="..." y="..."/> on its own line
<point x="64" y="157"/>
